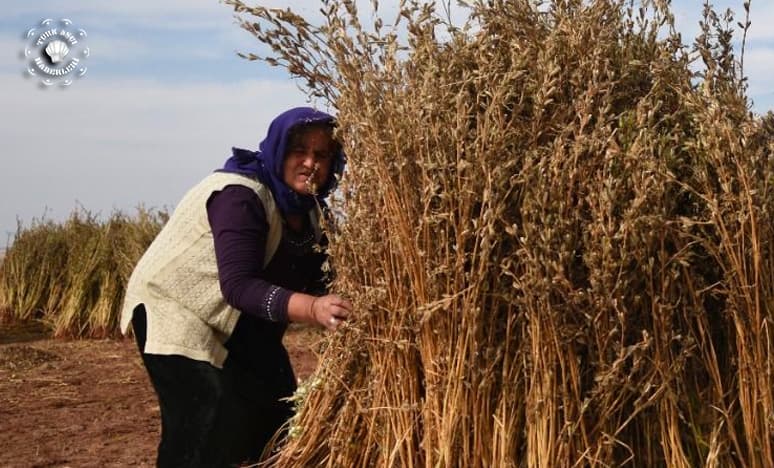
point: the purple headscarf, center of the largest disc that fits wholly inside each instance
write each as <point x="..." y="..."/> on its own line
<point x="266" y="164"/>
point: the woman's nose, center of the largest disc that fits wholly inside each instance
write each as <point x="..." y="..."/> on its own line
<point x="308" y="159"/>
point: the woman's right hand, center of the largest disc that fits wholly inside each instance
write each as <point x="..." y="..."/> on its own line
<point x="330" y="310"/>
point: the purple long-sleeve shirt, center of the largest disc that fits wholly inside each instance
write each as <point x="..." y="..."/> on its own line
<point x="239" y="229"/>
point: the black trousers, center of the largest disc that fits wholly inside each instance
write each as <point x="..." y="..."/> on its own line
<point x="210" y="417"/>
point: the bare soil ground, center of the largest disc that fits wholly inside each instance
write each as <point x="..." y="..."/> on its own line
<point x="88" y="403"/>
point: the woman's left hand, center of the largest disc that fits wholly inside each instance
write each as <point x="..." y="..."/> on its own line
<point x="330" y="310"/>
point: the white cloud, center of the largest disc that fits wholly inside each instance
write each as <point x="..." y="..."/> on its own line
<point x="759" y="67"/>
<point x="170" y="14"/>
<point x="13" y="48"/>
<point x="688" y="13"/>
<point x="116" y="39"/>
<point x="125" y="48"/>
<point x="760" y="63"/>
<point x="761" y="19"/>
<point x="120" y="48"/>
<point x="116" y="144"/>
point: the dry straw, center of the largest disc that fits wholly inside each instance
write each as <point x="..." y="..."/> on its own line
<point x="558" y="238"/>
<point x="72" y="275"/>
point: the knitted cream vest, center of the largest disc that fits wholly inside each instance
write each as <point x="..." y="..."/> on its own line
<point x="177" y="277"/>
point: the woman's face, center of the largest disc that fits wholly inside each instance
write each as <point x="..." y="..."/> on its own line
<point x="308" y="161"/>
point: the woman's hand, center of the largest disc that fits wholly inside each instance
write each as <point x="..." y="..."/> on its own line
<point x="330" y="311"/>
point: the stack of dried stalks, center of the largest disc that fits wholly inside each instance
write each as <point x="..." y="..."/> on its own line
<point x="72" y="275"/>
<point x="558" y="238"/>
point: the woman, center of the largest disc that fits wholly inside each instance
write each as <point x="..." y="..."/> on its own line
<point x="211" y="298"/>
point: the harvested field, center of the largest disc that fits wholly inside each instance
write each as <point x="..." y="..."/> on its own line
<point x="86" y="403"/>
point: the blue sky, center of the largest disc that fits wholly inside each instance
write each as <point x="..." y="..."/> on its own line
<point x="165" y="98"/>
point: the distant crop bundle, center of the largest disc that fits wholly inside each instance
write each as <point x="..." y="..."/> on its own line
<point x="71" y="276"/>
<point x="558" y="238"/>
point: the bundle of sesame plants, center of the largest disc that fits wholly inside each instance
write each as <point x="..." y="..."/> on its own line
<point x="557" y="235"/>
<point x="71" y="276"/>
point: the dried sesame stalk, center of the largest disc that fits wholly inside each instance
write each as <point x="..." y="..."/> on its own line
<point x="557" y="235"/>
